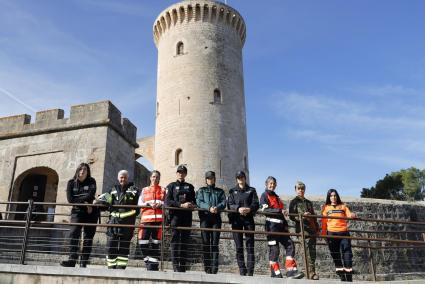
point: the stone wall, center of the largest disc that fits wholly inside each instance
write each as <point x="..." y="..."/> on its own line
<point x="94" y="133"/>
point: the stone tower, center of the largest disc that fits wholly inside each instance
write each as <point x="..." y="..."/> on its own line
<point x="200" y="110"/>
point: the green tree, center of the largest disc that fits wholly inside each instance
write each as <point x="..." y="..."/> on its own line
<point x="413" y="182"/>
<point x="390" y="187"/>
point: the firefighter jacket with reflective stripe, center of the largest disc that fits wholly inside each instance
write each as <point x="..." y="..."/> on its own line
<point x="128" y="195"/>
<point x="335" y="225"/>
<point x="150" y="195"/>
<point x="272" y="207"/>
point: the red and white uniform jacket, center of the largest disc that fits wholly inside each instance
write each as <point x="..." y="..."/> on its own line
<point x="150" y="195"/>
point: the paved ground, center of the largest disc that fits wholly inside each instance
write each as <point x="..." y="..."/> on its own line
<point x="28" y="274"/>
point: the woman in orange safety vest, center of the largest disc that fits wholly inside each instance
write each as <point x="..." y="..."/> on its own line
<point x="340" y="248"/>
<point x="152" y="197"/>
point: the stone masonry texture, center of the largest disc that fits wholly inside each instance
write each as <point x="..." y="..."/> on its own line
<point x="55" y="146"/>
<point x="210" y="133"/>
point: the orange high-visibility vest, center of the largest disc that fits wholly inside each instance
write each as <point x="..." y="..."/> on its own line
<point x="151" y="194"/>
<point x="335" y="225"/>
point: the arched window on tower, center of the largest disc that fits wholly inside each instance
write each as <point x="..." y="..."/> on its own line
<point x="178" y="158"/>
<point x="217" y="96"/>
<point x="180" y="48"/>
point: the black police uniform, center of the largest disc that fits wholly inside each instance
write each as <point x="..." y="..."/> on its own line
<point x="177" y="194"/>
<point x="243" y="197"/>
<point x="81" y="192"/>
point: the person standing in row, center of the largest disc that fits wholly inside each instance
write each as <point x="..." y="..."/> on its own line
<point x="303" y="206"/>
<point x="213" y="200"/>
<point x="180" y="194"/>
<point x="124" y="193"/>
<point x="272" y="206"/>
<point x="340" y="249"/>
<point x="81" y="189"/>
<point x="152" y="197"/>
<point x="243" y="199"/>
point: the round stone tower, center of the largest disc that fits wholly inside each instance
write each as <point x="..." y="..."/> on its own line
<point x="200" y="109"/>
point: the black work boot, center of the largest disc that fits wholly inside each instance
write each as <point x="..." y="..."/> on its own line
<point x="68" y="263"/>
<point x="341" y="275"/>
<point x="349" y="276"/>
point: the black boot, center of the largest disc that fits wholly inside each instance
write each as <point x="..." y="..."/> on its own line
<point x="83" y="262"/>
<point x="341" y="275"/>
<point x="68" y="263"/>
<point x="349" y="276"/>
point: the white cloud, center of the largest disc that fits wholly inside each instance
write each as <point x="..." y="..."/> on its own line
<point x="38" y="39"/>
<point x="347" y="115"/>
<point x="46" y="67"/>
<point x="379" y="130"/>
<point x="387" y="90"/>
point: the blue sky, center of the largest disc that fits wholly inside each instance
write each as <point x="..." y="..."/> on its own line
<point x="335" y="90"/>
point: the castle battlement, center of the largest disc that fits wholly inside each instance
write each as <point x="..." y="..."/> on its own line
<point x="198" y="11"/>
<point x="102" y="113"/>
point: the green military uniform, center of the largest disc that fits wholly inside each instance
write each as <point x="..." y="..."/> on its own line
<point x="311" y="227"/>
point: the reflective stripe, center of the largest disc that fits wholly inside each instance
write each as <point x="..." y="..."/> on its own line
<point x="272" y="243"/>
<point x="122" y="258"/>
<point x="122" y="262"/>
<point x="339" y="269"/>
<point x="152" y="216"/>
<point x="154" y="201"/>
<point x="274" y="220"/>
<point x="150" y="259"/>
<point x="111" y="261"/>
<point x="123" y="214"/>
<point x="127" y="214"/>
<point x="348" y="269"/>
<point x="277" y="272"/>
<point x="143" y="242"/>
<point x="264" y="206"/>
<point x="156" y="241"/>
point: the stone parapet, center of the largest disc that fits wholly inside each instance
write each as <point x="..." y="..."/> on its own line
<point x="199" y="10"/>
<point x="102" y="113"/>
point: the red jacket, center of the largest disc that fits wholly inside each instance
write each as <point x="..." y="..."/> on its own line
<point x="151" y="194"/>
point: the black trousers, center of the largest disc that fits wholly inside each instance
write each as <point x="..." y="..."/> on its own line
<point x="210" y="241"/>
<point x="273" y="243"/>
<point x="75" y="233"/>
<point x="119" y="248"/>
<point x="244" y="224"/>
<point x="179" y="242"/>
<point x="341" y="252"/>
